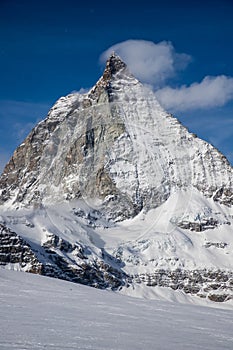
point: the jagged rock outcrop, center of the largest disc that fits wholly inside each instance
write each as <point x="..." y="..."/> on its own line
<point x="15" y="251"/>
<point x="52" y="259"/>
<point x="70" y="262"/>
<point x="215" y="285"/>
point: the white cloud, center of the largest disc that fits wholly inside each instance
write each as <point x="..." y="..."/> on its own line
<point x="151" y="63"/>
<point x="81" y="91"/>
<point x="210" y="92"/>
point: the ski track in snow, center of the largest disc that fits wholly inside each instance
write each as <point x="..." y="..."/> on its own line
<point x="43" y="313"/>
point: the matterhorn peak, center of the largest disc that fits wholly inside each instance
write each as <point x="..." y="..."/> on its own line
<point x="111" y="169"/>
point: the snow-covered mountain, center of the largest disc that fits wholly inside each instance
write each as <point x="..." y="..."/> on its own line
<point x="112" y="191"/>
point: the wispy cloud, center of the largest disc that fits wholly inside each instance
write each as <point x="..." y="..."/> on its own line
<point x="151" y="63"/>
<point x="80" y="91"/>
<point x="18" y="117"/>
<point x="22" y="129"/>
<point x="210" y="92"/>
<point x="22" y="109"/>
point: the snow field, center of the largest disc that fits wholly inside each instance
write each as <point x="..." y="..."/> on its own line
<point x="42" y="313"/>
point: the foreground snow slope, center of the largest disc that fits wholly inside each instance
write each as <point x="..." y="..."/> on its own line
<point x="43" y="313"/>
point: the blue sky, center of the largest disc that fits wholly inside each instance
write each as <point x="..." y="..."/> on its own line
<point x="183" y="49"/>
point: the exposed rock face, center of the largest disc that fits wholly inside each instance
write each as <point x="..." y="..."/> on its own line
<point x="53" y="259"/>
<point x="15" y="251"/>
<point x="216" y="285"/>
<point x="70" y="262"/>
<point x="117" y="148"/>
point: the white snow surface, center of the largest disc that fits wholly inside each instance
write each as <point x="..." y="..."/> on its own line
<point x="43" y="313"/>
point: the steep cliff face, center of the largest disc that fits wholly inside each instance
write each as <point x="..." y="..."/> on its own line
<point x="132" y="180"/>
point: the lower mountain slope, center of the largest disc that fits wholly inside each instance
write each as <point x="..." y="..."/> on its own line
<point x="75" y="242"/>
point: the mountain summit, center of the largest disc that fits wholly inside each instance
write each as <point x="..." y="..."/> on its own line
<point x="111" y="175"/>
<point x="114" y="65"/>
<point x="115" y="141"/>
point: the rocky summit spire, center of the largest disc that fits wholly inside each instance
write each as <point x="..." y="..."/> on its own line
<point x="114" y="64"/>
